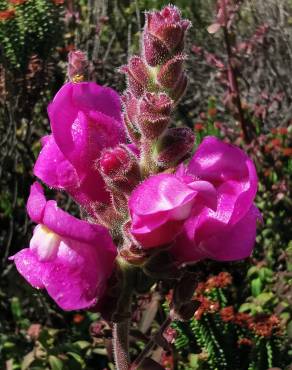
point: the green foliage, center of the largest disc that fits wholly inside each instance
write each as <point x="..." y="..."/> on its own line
<point x="35" y="28"/>
<point x="34" y="346"/>
<point x="219" y="338"/>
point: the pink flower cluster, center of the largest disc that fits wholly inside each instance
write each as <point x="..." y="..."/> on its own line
<point x="128" y="172"/>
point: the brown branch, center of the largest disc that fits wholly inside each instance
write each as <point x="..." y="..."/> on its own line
<point x="152" y="342"/>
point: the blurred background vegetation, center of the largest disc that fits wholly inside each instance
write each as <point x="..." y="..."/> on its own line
<point x="244" y="321"/>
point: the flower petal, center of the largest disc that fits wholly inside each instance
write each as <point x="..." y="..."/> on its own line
<point x="233" y="174"/>
<point x="36" y="203"/>
<point x="62" y="223"/>
<point x="206" y="193"/>
<point x="233" y="243"/>
<point x="160" y="193"/>
<point x="67" y="226"/>
<point x="29" y="267"/>
<point x="77" y="277"/>
<point x="94" y="97"/>
<point x="236" y="242"/>
<point x="158" y="208"/>
<point x="57" y="172"/>
<point x="85" y="118"/>
<point x="53" y="168"/>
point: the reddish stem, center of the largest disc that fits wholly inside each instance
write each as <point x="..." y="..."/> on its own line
<point x="121" y="345"/>
<point x="233" y="80"/>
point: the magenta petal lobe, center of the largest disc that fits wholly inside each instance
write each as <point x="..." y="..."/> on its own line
<point x="36" y="202"/>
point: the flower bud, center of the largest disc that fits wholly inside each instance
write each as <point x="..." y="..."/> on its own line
<point x="138" y="75"/>
<point x="154" y="114"/>
<point x="77" y="65"/>
<point x="132" y="131"/>
<point x="163" y="34"/>
<point x="171" y="72"/>
<point x="177" y="92"/>
<point x="120" y="168"/>
<point x="131" y="106"/>
<point x="174" y="146"/>
<point x="131" y="110"/>
<point x="155" y="52"/>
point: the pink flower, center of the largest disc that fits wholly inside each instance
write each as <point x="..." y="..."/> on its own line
<point x="229" y="232"/>
<point x="182" y="208"/>
<point x="70" y="258"/>
<point x="162" y="203"/>
<point x="85" y="119"/>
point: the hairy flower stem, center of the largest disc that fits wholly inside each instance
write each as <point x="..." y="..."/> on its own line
<point x="135" y="365"/>
<point x="121" y="344"/>
<point x="147" y="164"/>
<point x="121" y="317"/>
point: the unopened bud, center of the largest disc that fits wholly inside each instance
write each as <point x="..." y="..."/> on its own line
<point x="177" y="92"/>
<point x="138" y="75"/>
<point x="171" y="72"/>
<point x="154" y="114"/>
<point x="131" y="106"/>
<point x="112" y="161"/>
<point x="120" y="168"/>
<point x="131" y="110"/>
<point x="163" y="34"/>
<point x="77" y="65"/>
<point x="155" y="51"/>
<point x="156" y="104"/>
<point x="174" y="146"/>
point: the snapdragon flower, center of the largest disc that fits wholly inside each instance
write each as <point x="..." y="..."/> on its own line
<point x="70" y="258"/>
<point x="85" y="119"/>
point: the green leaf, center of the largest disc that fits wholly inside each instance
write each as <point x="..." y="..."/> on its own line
<point x="265" y="273"/>
<point x="16" y="308"/>
<point x="55" y="363"/>
<point x="82" y="344"/>
<point x="256" y="287"/>
<point x="251" y="308"/>
<point x="194" y="361"/>
<point x="263" y="298"/>
<point x="76" y="357"/>
<point x="252" y="272"/>
<point x="100" y="351"/>
<point x="8" y="345"/>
